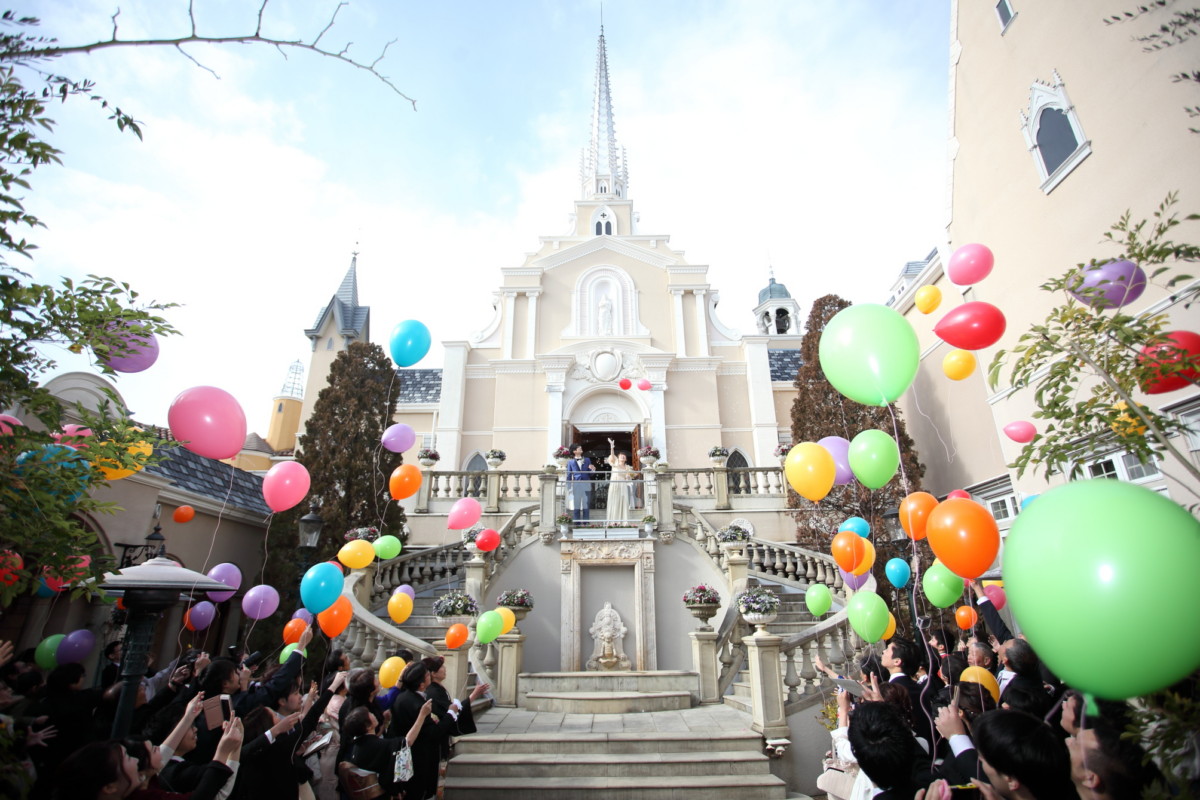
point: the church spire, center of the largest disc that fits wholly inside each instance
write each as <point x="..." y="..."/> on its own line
<point x="604" y="170"/>
<point x="348" y="291"/>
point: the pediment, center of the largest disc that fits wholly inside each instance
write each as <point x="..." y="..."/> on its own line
<point x="603" y="244"/>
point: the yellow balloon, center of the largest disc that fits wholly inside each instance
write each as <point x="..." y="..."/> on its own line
<point x="1126" y="424"/>
<point x="810" y="470"/>
<point x="117" y="471"/>
<point x="389" y="671"/>
<point x="400" y="608"/>
<point x="891" y="628"/>
<point x="984" y="678"/>
<point x="356" y="554"/>
<point x="927" y="299"/>
<point x="868" y="559"/>
<point x="958" y="364"/>
<point x="510" y="619"/>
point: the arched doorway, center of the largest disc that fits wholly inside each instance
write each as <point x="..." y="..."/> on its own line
<point x="475" y="485"/>
<point x="593" y="418"/>
<point x="739" y="481"/>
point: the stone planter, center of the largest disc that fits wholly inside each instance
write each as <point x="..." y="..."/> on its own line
<point x="465" y="619"/>
<point x="562" y="462"/>
<point x="564" y="531"/>
<point x="649" y="461"/>
<point x="760" y="621"/>
<point x="648" y="527"/>
<point x="718" y="461"/>
<point x="734" y="548"/>
<point x="426" y="462"/>
<point x="703" y="612"/>
<point x="519" y="612"/>
<point x="494" y="463"/>
<point x="473" y="551"/>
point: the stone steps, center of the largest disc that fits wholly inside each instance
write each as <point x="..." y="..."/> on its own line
<point x="654" y="766"/>
<point x="612" y="702"/>
<point x="608" y="692"/>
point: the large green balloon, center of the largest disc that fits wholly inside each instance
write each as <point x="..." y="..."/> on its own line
<point x="387" y="547"/>
<point x="942" y="587"/>
<point x="46" y="654"/>
<point x="488" y="626"/>
<point x="874" y="458"/>
<point x="818" y="599"/>
<point x="1094" y="560"/>
<point x="869" y="353"/>
<point x="868" y="615"/>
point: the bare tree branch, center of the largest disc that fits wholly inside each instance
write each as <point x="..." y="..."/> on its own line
<point x="116" y="14"/>
<point x="189" y="57"/>
<point x="261" y="10"/>
<point x="329" y="24"/>
<point x="192" y="15"/>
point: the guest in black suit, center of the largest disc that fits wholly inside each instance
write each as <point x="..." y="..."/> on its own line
<point x="900" y="659"/>
<point x="442" y="702"/>
<point x="885" y="749"/>
<point x="366" y="750"/>
<point x="1022" y="757"/>
<point x="406" y="710"/>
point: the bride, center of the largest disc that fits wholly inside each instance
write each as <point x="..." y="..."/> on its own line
<point x="620" y="488"/>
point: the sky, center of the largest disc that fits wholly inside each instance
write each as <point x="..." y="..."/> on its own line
<point x="807" y="136"/>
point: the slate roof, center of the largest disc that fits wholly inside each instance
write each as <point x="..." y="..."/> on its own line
<point x="257" y="444"/>
<point x="420" y="386"/>
<point x="351" y="318"/>
<point x="212" y="479"/>
<point x="784" y="364"/>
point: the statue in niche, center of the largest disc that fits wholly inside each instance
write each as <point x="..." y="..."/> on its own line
<point x="604" y="320"/>
<point x="608" y="633"/>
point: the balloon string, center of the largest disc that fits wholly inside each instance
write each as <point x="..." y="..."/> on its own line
<point x="951" y="452"/>
<point x="263" y="571"/>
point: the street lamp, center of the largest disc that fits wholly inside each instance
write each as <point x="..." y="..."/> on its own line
<point x="898" y="539"/>
<point x="149" y="589"/>
<point x="134" y="553"/>
<point x="309" y="528"/>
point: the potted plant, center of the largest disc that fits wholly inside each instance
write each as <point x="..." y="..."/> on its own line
<point x="781" y="452"/>
<point x="468" y="537"/>
<point x="718" y="455"/>
<point x="733" y="538"/>
<point x="455" y="606"/>
<point x="648" y="523"/>
<point x="518" y="601"/>
<point x="648" y="455"/>
<point x="758" y="606"/>
<point x="369" y="533"/>
<point x="702" y="601"/>
<point x="564" y="524"/>
<point x="494" y="458"/>
<point x="427" y="456"/>
<point x="561" y="456"/>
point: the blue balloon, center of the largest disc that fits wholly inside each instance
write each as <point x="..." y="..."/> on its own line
<point x="858" y="525"/>
<point x="73" y="470"/>
<point x="43" y="590"/>
<point x="320" y="587"/>
<point x="410" y="342"/>
<point x="1028" y="500"/>
<point x="898" y="572"/>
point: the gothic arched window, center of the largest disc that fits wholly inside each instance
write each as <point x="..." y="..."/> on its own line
<point x="783" y="321"/>
<point x="1053" y="133"/>
<point x="739" y="481"/>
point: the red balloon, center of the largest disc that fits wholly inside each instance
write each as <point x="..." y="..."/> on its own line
<point x="914" y="513"/>
<point x="964" y="535"/>
<point x="456" y="635"/>
<point x="996" y="595"/>
<point x="972" y="326"/>
<point x="487" y="540"/>
<point x="184" y="514"/>
<point x="10" y="562"/>
<point x="848" y="550"/>
<point x="966" y="617"/>
<point x="625" y="383"/>
<point x="334" y="619"/>
<point x="965" y="495"/>
<point x="293" y="630"/>
<point x="1180" y="347"/>
<point x="69" y="574"/>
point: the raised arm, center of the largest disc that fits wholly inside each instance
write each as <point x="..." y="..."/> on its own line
<point x="415" y="730"/>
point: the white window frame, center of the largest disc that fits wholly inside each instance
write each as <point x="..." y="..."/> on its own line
<point x="1041" y="97"/>
<point x="1121" y="468"/>
<point x="997" y="491"/>
<point x="1011" y="15"/>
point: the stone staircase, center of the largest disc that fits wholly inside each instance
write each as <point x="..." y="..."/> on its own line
<point x="608" y="692"/>
<point x="793" y="618"/>
<point x="648" y="766"/>
<point x="421" y="623"/>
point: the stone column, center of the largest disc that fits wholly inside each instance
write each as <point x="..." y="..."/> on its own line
<point x="766" y="685"/>
<point x="510" y="309"/>
<point x="721" y="487"/>
<point x="701" y="322"/>
<point x="422" y="505"/>
<point x="680" y="334"/>
<point x="509" y="652"/>
<point x="737" y="566"/>
<point x="457" y="668"/>
<point x="666" y="502"/>
<point x="475" y="583"/>
<point x="491" y="504"/>
<point x="547" y="488"/>
<point x="531" y="302"/>
<point x="704" y="661"/>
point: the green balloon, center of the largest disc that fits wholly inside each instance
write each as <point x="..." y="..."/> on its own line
<point x="818" y="599"/>
<point x="488" y="626"/>
<point x="874" y="458"/>
<point x="1092" y="558"/>
<point x="869" y="353"/>
<point x="868" y="615"/>
<point x="942" y="587"/>
<point x="287" y="651"/>
<point x="46" y="654"/>
<point x="387" y="547"/>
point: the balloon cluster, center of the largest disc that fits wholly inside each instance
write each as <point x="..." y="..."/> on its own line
<point x="64" y="648"/>
<point x="814" y="468"/>
<point x="642" y="383"/>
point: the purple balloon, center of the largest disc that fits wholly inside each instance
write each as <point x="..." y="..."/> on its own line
<point x="304" y="614"/>
<point x="408" y="590"/>
<point x="201" y="615"/>
<point x="839" y="448"/>
<point x="399" y="437"/>
<point x="852" y="581"/>
<point x="75" y="646"/>
<point x="134" y="348"/>
<point x="228" y="574"/>
<point x="260" y="602"/>
<point x="1113" y="284"/>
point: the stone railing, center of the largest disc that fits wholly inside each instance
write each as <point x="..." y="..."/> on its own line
<point x="368" y="639"/>
<point x="724" y="486"/>
<point x="439" y="489"/>
<point x="418" y="568"/>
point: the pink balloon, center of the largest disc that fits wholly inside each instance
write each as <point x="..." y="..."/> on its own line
<point x="964" y="494"/>
<point x="644" y="384"/>
<point x="464" y="513"/>
<point x="996" y="595"/>
<point x="134" y="348"/>
<point x="201" y="615"/>
<point x="260" y="602"/>
<point x="209" y="422"/>
<point x="970" y="264"/>
<point x="399" y="437"/>
<point x="1020" y="431"/>
<point x="228" y="574"/>
<point x="7" y="423"/>
<point x="73" y="436"/>
<point x="285" y="485"/>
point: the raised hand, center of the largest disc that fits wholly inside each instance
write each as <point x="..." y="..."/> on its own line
<point x="479" y="691"/>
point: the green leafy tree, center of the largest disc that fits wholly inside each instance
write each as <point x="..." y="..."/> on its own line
<point x="1178" y="28"/>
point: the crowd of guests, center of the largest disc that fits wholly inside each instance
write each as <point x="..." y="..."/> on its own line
<point x="228" y="728"/>
<point x="912" y="729"/>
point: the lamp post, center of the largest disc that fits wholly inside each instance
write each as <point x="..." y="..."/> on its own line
<point x="898" y="538"/>
<point x="135" y="553"/>
<point x="308" y="530"/>
<point x="149" y="588"/>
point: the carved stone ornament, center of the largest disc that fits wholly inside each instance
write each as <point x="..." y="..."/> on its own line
<point x="605" y="365"/>
<point x="608" y="634"/>
<point x="592" y="551"/>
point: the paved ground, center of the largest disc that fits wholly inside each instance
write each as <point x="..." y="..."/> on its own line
<point x="700" y="719"/>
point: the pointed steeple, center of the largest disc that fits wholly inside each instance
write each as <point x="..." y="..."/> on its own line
<point x="348" y="291"/>
<point x="604" y="170"/>
<point x="351" y="320"/>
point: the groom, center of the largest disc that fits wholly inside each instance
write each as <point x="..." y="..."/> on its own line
<point x="579" y="470"/>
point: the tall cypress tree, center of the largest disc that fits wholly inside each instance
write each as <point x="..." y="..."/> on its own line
<point x="820" y="410"/>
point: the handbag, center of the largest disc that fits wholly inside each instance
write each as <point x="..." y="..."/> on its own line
<point x="359" y="784"/>
<point x="838" y="778"/>
<point x="402" y="768"/>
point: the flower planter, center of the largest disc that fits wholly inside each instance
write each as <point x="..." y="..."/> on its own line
<point x="564" y="530"/>
<point x="494" y="463"/>
<point x="455" y="619"/>
<point x="649" y="461"/>
<point x="718" y="461"/>
<point x="519" y="612"/>
<point x="562" y="462"/>
<point x="426" y="462"/>
<point x="733" y="548"/>
<point x="703" y="612"/>
<point x="760" y="621"/>
<point x="473" y="551"/>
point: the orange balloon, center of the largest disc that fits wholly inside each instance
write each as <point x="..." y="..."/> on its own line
<point x="848" y="549"/>
<point x="890" y="631"/>
<point x="867" y="561"/>
<point x="510" y="619"/>
<point x="405" y="481"/>
<point x="456" y="636"/>
<point x="334" y="619"/>
<point x="292" y="631"/>
<point x="184" y="514"/>
<point x="964" y="536"/>
<point x="914" y="513"/>
<point x="966" y="617"/>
